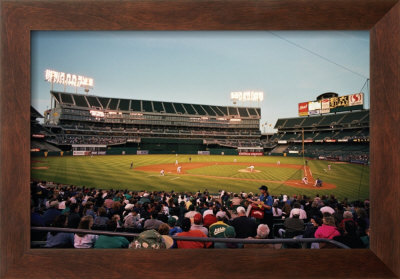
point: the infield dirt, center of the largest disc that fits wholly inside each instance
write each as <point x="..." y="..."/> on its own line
<point x="172" y="168"/>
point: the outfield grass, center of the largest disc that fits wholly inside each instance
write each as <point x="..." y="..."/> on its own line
<point x="106" y="172"/>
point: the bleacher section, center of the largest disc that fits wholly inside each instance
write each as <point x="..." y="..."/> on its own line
<point x="341" y="136"/>
<point x="77" y="119"/>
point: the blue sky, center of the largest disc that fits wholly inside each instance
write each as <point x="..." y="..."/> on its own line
<point x="204" y="67"/>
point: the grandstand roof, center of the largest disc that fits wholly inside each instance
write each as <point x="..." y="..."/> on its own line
<point x="134" y="105"/>
<point x="341" y="119"/>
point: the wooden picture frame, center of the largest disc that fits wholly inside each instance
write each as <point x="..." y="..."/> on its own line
<point x="19" y="18"/>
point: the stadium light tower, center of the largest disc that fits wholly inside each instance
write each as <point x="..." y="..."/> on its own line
<point x="247" y="96"/>
<point x="68" y="80"/>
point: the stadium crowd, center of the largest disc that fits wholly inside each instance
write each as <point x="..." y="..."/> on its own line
<point x="159" y="215"/>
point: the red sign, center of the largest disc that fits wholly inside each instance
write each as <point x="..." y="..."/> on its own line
<point x="303" y="109"/>
<point x="330" y="140"/>
<point x="251" y="153"/>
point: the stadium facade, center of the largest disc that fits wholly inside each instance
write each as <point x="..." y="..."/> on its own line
<point x="157" y="127"/>
<point x="81" y="124"/>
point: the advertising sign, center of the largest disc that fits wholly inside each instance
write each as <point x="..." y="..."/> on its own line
<point x="334" y="104"/>
<point x="314" y="108"/>
<point x="251" y="154"/>
<point x="325" y="106"/>
<point x="356" y="99"/>
<point x="303" y="109"/>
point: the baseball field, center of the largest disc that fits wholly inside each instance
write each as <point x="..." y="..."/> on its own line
<point x="283" y="175"/>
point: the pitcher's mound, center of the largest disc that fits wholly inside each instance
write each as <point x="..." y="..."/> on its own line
<point x="247" y="170"/>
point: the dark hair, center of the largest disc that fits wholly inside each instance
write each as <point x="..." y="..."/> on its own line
<point x="84" y="224"/>
<point x="73" y="206"/>
<point x="317" y="220"/>
<point x="350" y="227"/>
<point x="59" y="222"/>
<point x="111" y="225"/>
<point x="102" y="212"/>
<point x="163" y="229"/>
<point x="186" y="224"/>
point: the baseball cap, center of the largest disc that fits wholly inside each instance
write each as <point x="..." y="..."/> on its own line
<point x="197" y="219"/>
<point x="263" y="187"/>
<point x="171" y="221"/>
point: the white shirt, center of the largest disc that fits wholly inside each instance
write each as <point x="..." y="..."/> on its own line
<point x="277" y="214"/>
<point x="303" y="214"/>
<point x="86" y="241"/>
<point x="327" y="209"/>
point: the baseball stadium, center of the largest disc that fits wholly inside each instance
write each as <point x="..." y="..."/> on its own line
<point x="113" y="143"/>
<point x="146" y="170"/>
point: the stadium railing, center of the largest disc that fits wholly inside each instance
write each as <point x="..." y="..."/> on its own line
<point x="204" y="239"/>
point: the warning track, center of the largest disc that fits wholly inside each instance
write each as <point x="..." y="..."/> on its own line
<point x="171" y="168"/>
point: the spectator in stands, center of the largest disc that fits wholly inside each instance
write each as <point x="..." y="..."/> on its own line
<point x="244" y="226"/>
<point x="218" y="228"/>
<point x="314" y="209"/>
<point x="172" y="225"/>
<point x="109" y="242"/>
<point x="197" y="224"/>
<point x="74" y="218"/>
<point x="338" y="215"/>
<point x="36" y="218"/>
<point x="116" y="209"/>
<point x="132" y="219"/>
<point x="101" y="219"/>
<point x="235" y="202"/>
<point x="182" y="211"/>
<point x="60" y="239"/>
<point x="312" y="226"/>
<point x="362" y="221"/>
<point x="153" y="223"/>
<point x="190" y="214"/>
<point x="186" y="224"/>
<point x="327" y="209"/>
<point x="328" y="229"/>
<point x="108" y="202"/>
<point x="276" y="211"/>
<point x="350" y="236"/>
<point x="347" y="216"/>
<point x="228" y="233"/>
<point x="208" y="220"/>
<point x="303" y="214"/>
<point x="286" y="207"/>
<point x="293" y="225"/>
<point x="51" y="213"/>
<point x="262" y="233"/>
<point x="82" y="240"/>
<point x="210" y="209"/>
<point x="163" y="229"/>
<point x="88" y="210"/>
